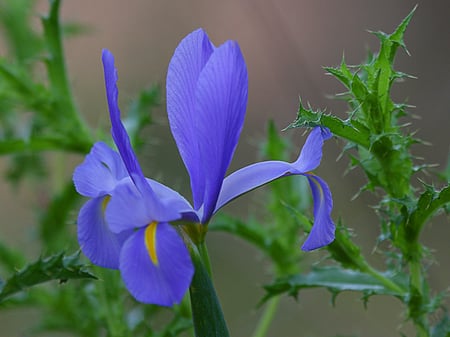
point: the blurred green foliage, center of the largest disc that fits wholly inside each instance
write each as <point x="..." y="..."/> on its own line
<point x="38" y="115"/>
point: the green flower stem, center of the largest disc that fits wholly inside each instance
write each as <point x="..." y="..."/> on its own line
<point x="207" y="313"/>
<point x="386" y="281"/>
<point x="417" y="299"/>
<point x="59" y="83"/>
<point x="203" y="251"/>
<point x="267" y="317"/>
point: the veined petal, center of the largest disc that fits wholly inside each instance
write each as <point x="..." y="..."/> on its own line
<point x="100" y="171"/>
<point x="184" y="70"/>
<point x="163" y="281"/>
<point x="97" y="242"/>
<point x="322" y="232"/>
<point x="122" y="140"/>
<point x="221" y="98"/>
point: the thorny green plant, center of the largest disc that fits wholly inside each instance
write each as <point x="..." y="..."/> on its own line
<point x="38" y="116"/>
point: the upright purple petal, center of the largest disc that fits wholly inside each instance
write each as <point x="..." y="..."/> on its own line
<point x="122" y="141"/>
<point x="221" y="98"/>
<point x="164" y="282"/>
<point x="184" y="70"/>
<point x="322" y="232"/>
<point x="100" y="171"/>
<point x="97" y="242"/>
<point x="255" y="175"/>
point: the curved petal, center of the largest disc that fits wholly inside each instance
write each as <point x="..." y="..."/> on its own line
<point x="251" y="177"/>
<point x="122" y="140"/>
<point x="255" y="175"/>
<point x="100" y="171"/>
<point x="174" y="200"/>
<point x="97" y="242"/>
<point x="184" y="70"/>
<point x="322" y="232"/>
<point x="221" y="98"/>
<point x="128" y="209"/>
<point x="311" y="153"/>
<point x="164" y="282"/>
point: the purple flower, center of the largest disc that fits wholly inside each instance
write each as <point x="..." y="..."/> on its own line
<point x="128" y="222"/>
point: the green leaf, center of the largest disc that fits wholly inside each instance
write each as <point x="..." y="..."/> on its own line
<point x="206" y="310"/>
<point x="43" y="143"/>
<point x="68" y="118"/>
<point x="355" y="132"/>
<point x="334" y="279"/>
<point x="56" y="267"/>
<point x="429" y="202"/>
<point x="344" y="251"/>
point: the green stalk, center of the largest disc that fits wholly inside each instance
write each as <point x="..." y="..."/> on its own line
<point x="267" y="317"/>
<point x="65" y="108"/>
<point x="207" y="313"/>
<point x="416" y="300"/>
<point x="386" y="282"/>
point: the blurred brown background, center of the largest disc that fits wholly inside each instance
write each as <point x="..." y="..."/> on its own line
<point x="285" y="43"/>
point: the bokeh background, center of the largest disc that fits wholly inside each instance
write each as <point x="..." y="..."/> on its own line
<point x="285" y="43"/>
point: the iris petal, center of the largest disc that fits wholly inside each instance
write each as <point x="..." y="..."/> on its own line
<point x="251" y="177"/>
<point x="311" y="153"/>
<point x="255" y="175"/>
<point x="184" y="70"/>
<point x="174" y="200"/>
<point x="97" y="242"/>
<point x="164" y="283"/>
<point x="221" y="98"/>
<point x="99" y="172"/>
<point x="123" y="144"/>
<point x="127" y="209"/>
<point x="322" y="232"/>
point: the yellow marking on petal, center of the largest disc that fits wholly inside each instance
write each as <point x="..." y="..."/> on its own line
<point x="105" y="202"/>
<point x="316" y="182"/>
<point x="150" y="242"/>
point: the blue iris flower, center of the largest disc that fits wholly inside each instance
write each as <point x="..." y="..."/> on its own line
<point x="144" y="228"/>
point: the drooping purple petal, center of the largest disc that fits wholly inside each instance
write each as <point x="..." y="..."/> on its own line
<point x="311" y="153"/>
<point x="322" y="232"/>
<point x="184" y="70"/>
<point x="100" y="171"/>
<point x="255" y="175"/>
<point x="123" y="144"/>
<point x="221" y="98"/>
<point x="97" y="242"/>
<point x="165" y="282"/>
